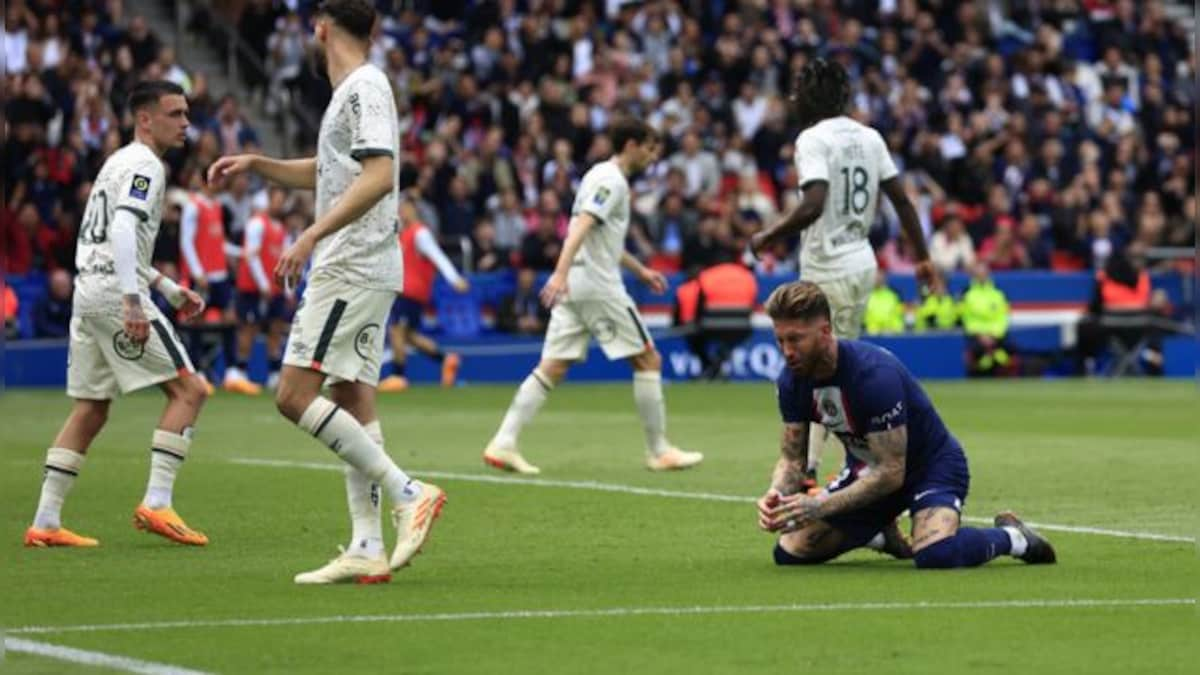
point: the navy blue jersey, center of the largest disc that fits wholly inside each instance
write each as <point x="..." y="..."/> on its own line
<point x="870" y="391"/>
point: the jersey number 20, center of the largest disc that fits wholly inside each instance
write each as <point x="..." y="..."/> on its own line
<point x="95" y="228"/>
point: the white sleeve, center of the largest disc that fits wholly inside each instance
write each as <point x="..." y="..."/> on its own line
<point x="429" y="248"/>
<point x="812" y="159"/>
<point x="187" y="239"/>
<point x="124" y="240"/>
<point x="253" y="242"/>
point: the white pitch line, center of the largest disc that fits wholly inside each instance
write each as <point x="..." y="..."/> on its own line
<point x="90" y="658"/>
<point x="676" y="494"/>
<point x="616" y="612"/>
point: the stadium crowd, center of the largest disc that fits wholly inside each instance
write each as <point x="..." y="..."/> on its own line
<point x="1044" y="135"/>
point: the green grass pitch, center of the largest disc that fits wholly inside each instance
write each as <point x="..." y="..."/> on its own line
<point x="638" y="583"/>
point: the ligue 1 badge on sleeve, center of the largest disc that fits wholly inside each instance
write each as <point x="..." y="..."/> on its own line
<point x="140" y="189"/>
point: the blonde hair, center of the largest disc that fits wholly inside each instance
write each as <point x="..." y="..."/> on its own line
<point x="797" y="300"/>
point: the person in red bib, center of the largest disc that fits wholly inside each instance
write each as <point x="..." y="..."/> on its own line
<point x="423" y="259"/>
<point x="205" y="262"/>
<point x="261" y="302"/>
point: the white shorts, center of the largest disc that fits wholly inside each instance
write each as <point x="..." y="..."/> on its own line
<point x="614" y="322"/>
<point x="848" y="297"/>
<point x="338" y="330"/>
<point x="103" y="362"/>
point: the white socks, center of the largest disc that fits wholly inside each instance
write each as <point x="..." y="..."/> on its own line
<point x="343" y="434"/>
<point x="529" y="399"/>
<point x="647" y="394"/>
<point x="362" y="495"/>
<point x="1019" y="543"/>
<point x="62" y="468"/>
<point x="167" y="453"/>
<point x="877" y="542"/>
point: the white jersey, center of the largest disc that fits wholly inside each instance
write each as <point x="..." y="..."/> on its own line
<point x="854" y="160"/>
<point x="360" y="122"/>
<point x="596" y="270"/>
<point x="132" y="179"/>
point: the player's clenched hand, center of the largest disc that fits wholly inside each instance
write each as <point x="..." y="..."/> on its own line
<point x="228" y="167"/>
<point x="759" y="242"/>
<point x="192" y="305"/>
<point x="136" y="325"/>
<point x="927" y="276"/>
<point x="655" y="280"/>
<point x="554" y="290"/>
<point x="291" y="263"/>
<point x="766" y="504"/>
<point x="794" y="512"/>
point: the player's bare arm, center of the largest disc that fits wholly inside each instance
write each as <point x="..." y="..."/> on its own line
<point x="556" y="286"/>
<point x="886" y="452"/>
<point x="804" y="215"/>
<point x="373" y="184"/>
<point x="925" y="271"/>
<point x="790" y="471"/>
<point x="652" y="278"/>
<point x="188" y="302"/>
<point x="300" y="173"/>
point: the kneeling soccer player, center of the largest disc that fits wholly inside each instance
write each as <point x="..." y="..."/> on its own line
<point x="899" y="455"/>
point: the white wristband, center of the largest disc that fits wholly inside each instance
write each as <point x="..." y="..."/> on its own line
<point x="170" y="290"/>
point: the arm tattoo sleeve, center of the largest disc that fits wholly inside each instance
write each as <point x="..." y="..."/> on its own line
<point x="887" y="450"/>
<point x="793" y="460"/>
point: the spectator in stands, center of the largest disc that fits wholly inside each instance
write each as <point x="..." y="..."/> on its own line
<point x="458" y="215"/>
<point x="950" y="248"/>
<point x="540" y="248"/>
<point x="1033" y="239"/>
<point x="143" y="44"/>
<point x="486" y="253"/>
<point x="984" y="312"/>
<point x="231" y="128"/>
<point x="885" y="309"/>
<point x="701" y="173"/>
<point x="11" y="307"/>
<point x="52" y="314"/>
<point x="508" y="220"/>
<point x="1002" y="250"/>
<point x="522" y="312"/>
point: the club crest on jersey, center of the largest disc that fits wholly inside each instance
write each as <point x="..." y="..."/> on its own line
<point x="140" y="189"/>
<point x="604" y="330"/>
<point x="127" y="348"/>
<point x="601" y="196"/>
<point x="365" y="339"/>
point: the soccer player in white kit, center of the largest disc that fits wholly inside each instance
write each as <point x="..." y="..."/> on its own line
<point x="842" y="166"/>
<point x="339" y="326"/>
<point x="589" y="300"/>
<point x="119" y="341"/>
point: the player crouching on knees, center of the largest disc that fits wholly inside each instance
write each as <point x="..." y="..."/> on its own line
<point x="899" y="455"/>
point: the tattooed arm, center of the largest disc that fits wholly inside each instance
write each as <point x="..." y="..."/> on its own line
<point x="887" y="458"/>
<point x="790" y="472"/>
<point x="887" y="450"/>
<point x="793" y="460"/>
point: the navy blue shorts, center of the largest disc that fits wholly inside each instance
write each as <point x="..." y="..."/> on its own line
<point x="255" y="308"/>
<point x="407" y="312"/>
<point x="943" y="483"/>
<point x="220" y="294"/>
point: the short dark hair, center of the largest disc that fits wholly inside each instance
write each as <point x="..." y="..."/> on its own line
<point x="801" y="300"/>
<point x="626" y="129"/>
<point x="356" y="17"/>
<point x="148" y="93"/>
<point x="821" y="91"/>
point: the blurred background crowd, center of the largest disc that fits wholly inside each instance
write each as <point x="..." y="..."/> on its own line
<point x="1032" y="134"/>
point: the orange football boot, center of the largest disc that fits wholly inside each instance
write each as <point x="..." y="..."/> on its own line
<point x="167" y="523"/>
<point x="60" y="537"/>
